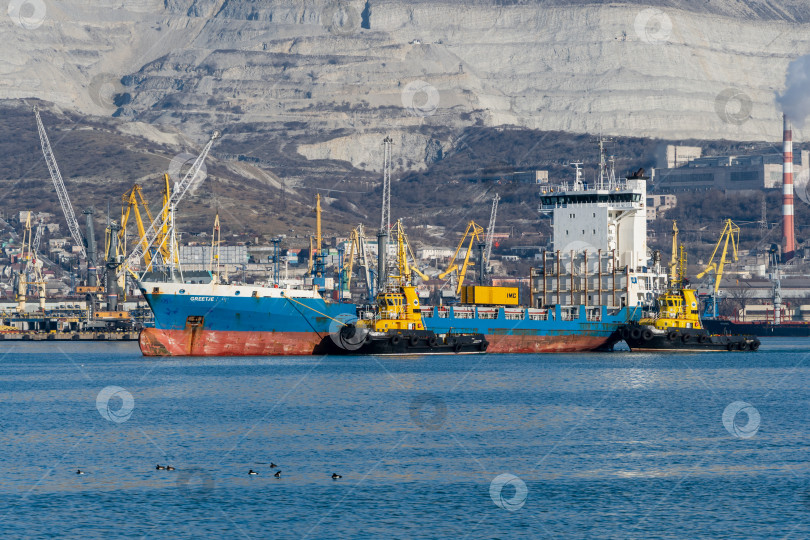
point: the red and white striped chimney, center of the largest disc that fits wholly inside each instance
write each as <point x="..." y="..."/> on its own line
<point x="788" y="238"/>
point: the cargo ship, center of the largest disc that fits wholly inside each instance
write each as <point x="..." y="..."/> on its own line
<point x="595" y="280"/>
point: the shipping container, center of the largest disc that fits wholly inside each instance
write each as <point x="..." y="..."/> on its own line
<point x="501" y="296"/>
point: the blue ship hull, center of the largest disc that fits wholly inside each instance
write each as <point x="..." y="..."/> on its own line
<point x="208" y="320"/>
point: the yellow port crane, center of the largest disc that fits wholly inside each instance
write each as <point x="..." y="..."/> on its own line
<point x="216" y="241"/>
<point x="315" y="251"/>
<point x="473" y="232"/>
<point x="133" y="201"/>
<point x="130" y="203"/>
<point x="730" y="235"/>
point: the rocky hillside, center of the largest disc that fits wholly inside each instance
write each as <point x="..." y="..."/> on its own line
<point x="305" y="91"/>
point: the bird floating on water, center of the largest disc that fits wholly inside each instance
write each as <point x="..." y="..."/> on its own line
<point x="169" y="468"/>
<point x="79" y="471"/>
<point x="251" y="471"/>
<point x="335" y="476"/>
<point x="159" y="467"/>
<point x="278" y="474"/>
<point x="273" y="465"/>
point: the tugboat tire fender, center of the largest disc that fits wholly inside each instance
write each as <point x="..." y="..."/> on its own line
<point x="744" y="346"/>
<point x="395" y="340"/>
<point x="730" y="346"/>
<point x="625" y="332"/>
<point x="672" y="335"/>
<point x="647" y="334"/>
<point x="413" y="340"/>
<point x="457" y="347"/>
<point x="703" y="338"/>
<point x="686" y="337"/>
<point x="483" y="345"/>
<point x="635" y="333"/>
<point x="755" y="345"/>
<point x="433" y="341"/>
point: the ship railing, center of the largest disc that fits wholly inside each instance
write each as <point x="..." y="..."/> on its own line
<point x="538" y="314"/>
<point x="569" y="313"/>
<point x="443" y="312"/>
<point x="514" y="314"/>
<point x="487" y="313"/>
<point x="464" y="313"/>
<point x="593" y="314"/>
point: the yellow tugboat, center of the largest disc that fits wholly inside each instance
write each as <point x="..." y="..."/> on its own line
<point x="397" y="326"/>
<point x="677" y="326"/>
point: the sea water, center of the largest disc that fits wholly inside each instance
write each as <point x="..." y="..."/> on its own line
<point x="600" y="445"/>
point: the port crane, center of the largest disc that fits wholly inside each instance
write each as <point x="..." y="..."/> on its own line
<point x="473" y="232"/>
<point x="29" y="249"/>
<point x="61" y="191"/>
<point x="162" y="220"/>
<point x="133" y="202"/>
<point x="132" y="206"/>
<point x="730" y="235"/>
<point x="216" y="240"/>
<point x="491" y="231"/>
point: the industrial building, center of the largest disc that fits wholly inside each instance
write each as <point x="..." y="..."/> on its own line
<point x="727" y="173"/>
<point x="672" y="156"/>
<point x="200" y="256"/>
<point x="658" y="204"/>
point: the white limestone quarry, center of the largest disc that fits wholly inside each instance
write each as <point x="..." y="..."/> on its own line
<point x="686" y="69"/>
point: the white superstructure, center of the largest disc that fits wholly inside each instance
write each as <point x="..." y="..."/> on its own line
<point x="606" y="218"/>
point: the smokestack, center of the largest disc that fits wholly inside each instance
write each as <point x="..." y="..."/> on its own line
<point x="788" y="239"/>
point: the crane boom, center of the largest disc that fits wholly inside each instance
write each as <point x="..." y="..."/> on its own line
<point x="59" y="184"/>
<point x="473" y="232"/>
<point x="491" y="230"/>
<point x="37" y="238"/>
<point x="730" y="235"/>
<point x="179" y="191"/>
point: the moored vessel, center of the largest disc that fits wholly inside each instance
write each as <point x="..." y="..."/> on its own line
<point x="587" y="287"/>
<point x="676" y="326"/>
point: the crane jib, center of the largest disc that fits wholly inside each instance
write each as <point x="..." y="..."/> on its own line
<point x="59" y="185"/>
<point x="179" y="191"/>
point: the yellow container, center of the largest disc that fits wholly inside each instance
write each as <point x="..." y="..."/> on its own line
<point x="501" y="296"/>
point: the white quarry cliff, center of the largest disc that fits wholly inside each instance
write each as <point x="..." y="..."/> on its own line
<point x="623" y="68"/>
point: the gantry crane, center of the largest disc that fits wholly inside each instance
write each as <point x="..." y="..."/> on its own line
<point x="162" y="221"/>
<point x="473" y="232"/>
<point x="491" y="230"/>
<point x="61" y="191"/>
<point x="730" y="234"/>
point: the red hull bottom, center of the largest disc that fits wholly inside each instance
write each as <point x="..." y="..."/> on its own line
<point x="196" y="342"/>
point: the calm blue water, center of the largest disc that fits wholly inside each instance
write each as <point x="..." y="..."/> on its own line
<point x="607" y="445"/>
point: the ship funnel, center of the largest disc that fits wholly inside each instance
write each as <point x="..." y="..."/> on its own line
<point x="788" y="238"/>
